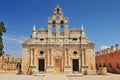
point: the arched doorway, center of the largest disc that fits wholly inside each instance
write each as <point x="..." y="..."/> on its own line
<point x="58" y="65"/>
<point x="58" y="61"/>
<point x="18" y="66"/>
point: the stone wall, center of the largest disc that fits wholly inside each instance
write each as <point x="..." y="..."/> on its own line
<point x="109" y="58"/>
<point x="8" y="62"/>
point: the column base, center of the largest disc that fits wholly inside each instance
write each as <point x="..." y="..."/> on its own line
<point x="32" y="70"/>
<point x="49" y="69"/>
<point x="89" y="72"/>
<point x="67" y="70"/>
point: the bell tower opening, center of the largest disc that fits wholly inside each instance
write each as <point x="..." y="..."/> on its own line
<point x="53" y="27"/>
<point x="57" y="24"/>
<point x="61" y="26"/>
<point x="58" y="10"/>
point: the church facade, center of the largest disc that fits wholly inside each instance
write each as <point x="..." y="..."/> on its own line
<point x="58" y="49"/>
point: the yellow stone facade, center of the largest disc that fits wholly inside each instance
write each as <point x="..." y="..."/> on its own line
<point x="58" y="49"/>
<point x="8" y="62"/>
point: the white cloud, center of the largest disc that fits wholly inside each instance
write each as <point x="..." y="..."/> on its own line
<point x="16" y="52"/>
<point x="104" y="47"/>
<point x="14" y="39"/>
<point x="12" y="44"/>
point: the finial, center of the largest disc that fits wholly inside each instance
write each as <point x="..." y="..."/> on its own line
<point x="58" y="6"/>
<point x="34" y="27"/>
<point x="82" y="27"/>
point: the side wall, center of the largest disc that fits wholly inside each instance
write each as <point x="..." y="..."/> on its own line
<point x="25" y="58"/>
<point x="111" y="61"/>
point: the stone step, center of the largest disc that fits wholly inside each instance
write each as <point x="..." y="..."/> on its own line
<point x="55" y="77"/>
<point x="74" y="75"/>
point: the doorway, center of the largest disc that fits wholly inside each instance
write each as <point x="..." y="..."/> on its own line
<point x="41" y="64"/>
<point x="75" y="64"/>
<point x="58" y="65"/>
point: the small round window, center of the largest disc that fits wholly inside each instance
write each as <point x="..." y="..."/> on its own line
<point x="74" y="52"/>
<point x="41" y="52"/>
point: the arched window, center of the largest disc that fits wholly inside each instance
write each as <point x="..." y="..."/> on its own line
<point x="104" y="65"/>
<point x="97" y="67"/>
<point x="62" y="26"/>
<point x="53" y="24"/>
<point x="100" y="65"/>
<point x="117" y="65"/>
<point x="54" y="27"/>
<point x="18" y="66"/>
<point x="58" y="10"/>
<point x="110" y="65"/>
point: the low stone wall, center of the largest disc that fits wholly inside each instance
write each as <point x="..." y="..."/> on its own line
<point x="102" y="71"/>
<point x="9" y="72"/>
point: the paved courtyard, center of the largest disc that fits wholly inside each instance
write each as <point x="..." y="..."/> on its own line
<point x="95" y="78"/>
<point x="57" y="77"/>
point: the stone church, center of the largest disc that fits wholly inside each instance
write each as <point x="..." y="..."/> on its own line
<point x="58" y="49"/>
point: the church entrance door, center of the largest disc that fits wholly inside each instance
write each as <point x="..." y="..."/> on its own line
<point x="58" y="65"/>
<point x="75" y="65"/>
<point x="41" y="64"/>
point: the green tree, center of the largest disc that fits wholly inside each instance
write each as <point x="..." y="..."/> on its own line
<point x="2" y="30"/>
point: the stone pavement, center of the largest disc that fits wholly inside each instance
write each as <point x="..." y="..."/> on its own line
<point x="114" y="75"/>
<point x="19" y="77"/>
<point x="55" y="77"/>
<point x="98" y="77"/>
<point x="59" y="77"/>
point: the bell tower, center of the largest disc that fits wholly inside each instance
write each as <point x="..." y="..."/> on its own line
<point x="58" y="21"/>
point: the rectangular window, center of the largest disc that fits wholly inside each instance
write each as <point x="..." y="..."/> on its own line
<point x="74" y="39"/>
<point x="41" y="39"/>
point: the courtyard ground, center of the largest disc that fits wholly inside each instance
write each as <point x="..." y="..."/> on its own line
<point x="59" y="77"/>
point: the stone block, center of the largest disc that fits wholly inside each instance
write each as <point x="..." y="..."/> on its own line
<point x="102" y="71"/>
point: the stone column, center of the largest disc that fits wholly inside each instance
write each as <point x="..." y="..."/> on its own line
<point x="29" y="57"/>
<point x="66" y="29"/>
<point x="67" y="56"/>
<point x="83" y="57"/>
<point x="49" y="56"/>
<point x="57" y="29"/>
<point x="108" y="50"/>
<point x="117" y="47"/>
<point x="112" y="49"/>
<point x="31" y="53"/>
<point x="84" y="51"/>
<point x="49" y="29"/>
<point x="100" y="52"/>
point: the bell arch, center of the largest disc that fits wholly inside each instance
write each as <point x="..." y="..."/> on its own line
<point x="54" y="26"/>
<point x="61" y="26"/>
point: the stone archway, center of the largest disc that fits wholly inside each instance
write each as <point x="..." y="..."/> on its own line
<point x="58" y="65"/>
<point x="58" y="61"/>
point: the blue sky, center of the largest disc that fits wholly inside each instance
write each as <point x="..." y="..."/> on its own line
<point x="101" y="19"/>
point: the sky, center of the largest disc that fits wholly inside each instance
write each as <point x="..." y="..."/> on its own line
<point x="101" y="20"/>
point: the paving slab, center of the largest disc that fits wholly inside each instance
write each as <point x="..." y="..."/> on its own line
<point x="97" y="77"/>
<point x="59" y="77"/>
<point x="55" y="77"/>
<point x="20" y="77"/>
